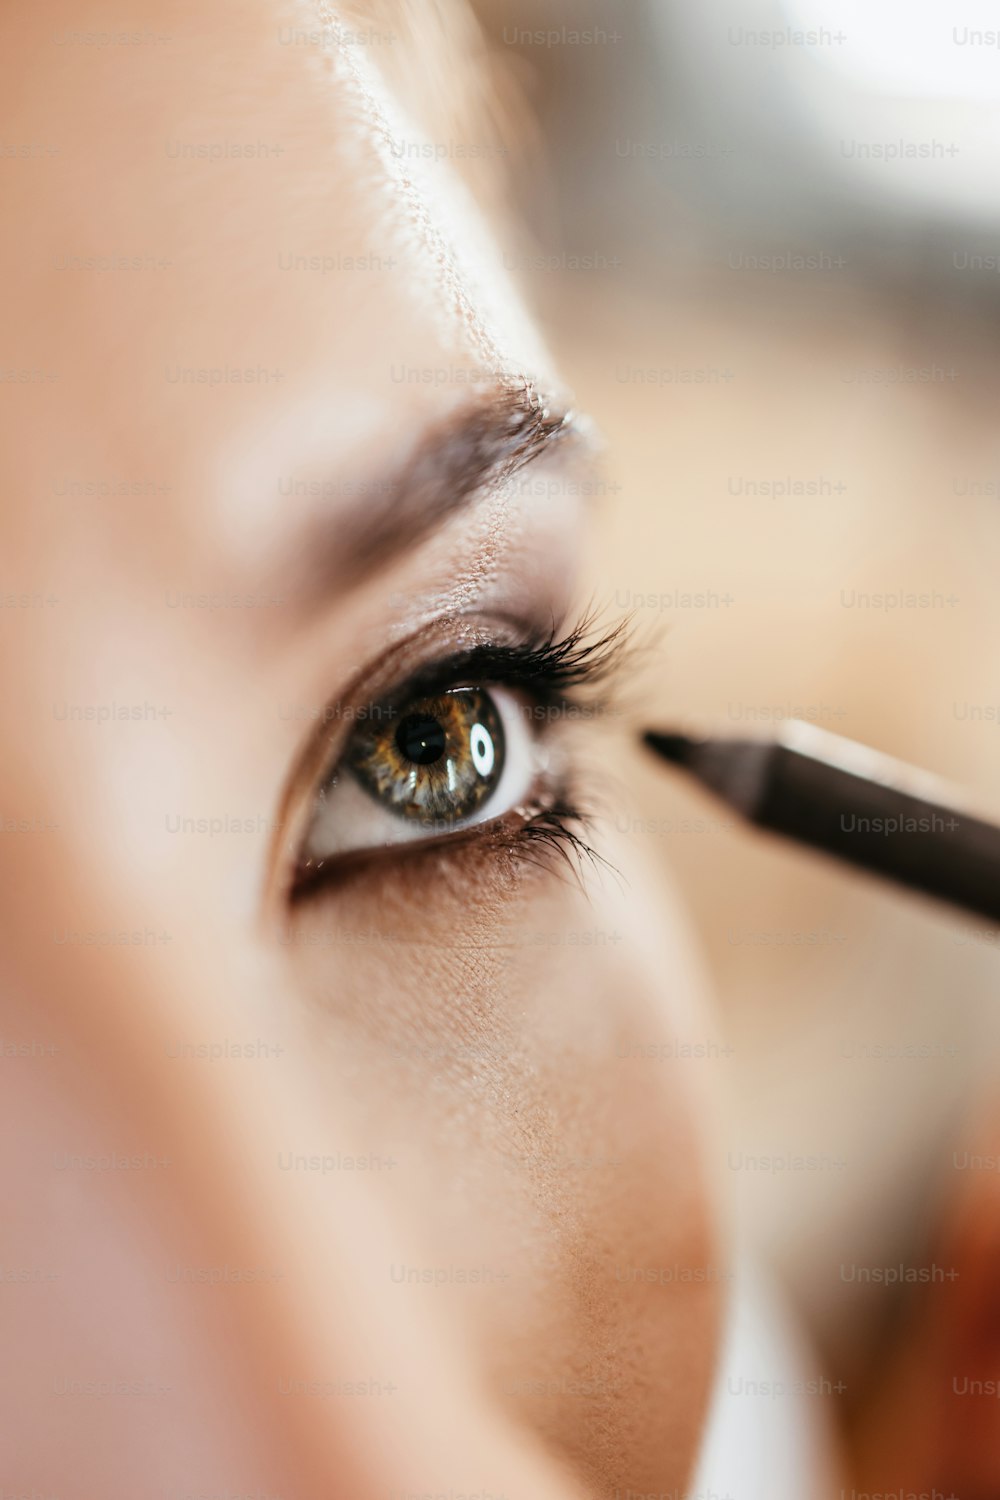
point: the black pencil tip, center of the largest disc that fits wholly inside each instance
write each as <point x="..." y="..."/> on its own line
<point x="676" y="748"/>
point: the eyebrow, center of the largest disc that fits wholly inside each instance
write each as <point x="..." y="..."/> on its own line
<point x="478" y="448"/>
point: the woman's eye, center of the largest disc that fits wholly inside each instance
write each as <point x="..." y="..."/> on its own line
<point x="426" y="766"/>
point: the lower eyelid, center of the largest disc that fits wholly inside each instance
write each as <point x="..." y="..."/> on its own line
<point x="503" y="834"/>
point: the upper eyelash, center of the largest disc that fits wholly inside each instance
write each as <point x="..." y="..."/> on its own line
<point x="550" y="667"/>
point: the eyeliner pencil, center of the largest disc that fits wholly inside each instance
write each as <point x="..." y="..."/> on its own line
<point x="854" y="803"/>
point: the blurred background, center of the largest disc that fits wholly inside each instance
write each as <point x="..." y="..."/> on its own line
<point x="765" y="238"/>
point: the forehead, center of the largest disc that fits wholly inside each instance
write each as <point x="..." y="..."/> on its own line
<point x="234" y="255"/>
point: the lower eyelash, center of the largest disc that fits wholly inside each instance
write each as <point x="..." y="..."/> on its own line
<point x="549" y="840"/>
<point x="545" y="838"/>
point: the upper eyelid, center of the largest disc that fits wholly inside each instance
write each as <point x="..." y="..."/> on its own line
<point x="487" y="664"/>
<point x="550" y="664"/>
<point x="393" y="685"/>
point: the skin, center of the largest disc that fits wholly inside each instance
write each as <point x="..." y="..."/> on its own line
<point x="432" y="1014"/>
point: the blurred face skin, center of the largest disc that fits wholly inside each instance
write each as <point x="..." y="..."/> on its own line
<point x="337" y="1187"/>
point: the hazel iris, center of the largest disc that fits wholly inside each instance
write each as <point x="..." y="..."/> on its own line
<point x="436" y="760"/>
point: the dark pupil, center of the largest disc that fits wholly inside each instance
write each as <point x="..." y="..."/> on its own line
<point x="420" y="738"/>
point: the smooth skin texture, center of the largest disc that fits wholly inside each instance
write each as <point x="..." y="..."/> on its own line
<point x="455" y="1024"/>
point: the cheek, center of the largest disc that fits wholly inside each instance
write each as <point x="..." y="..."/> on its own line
<point x="521" y="1051"/>
<point x="629" y="1268"/>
